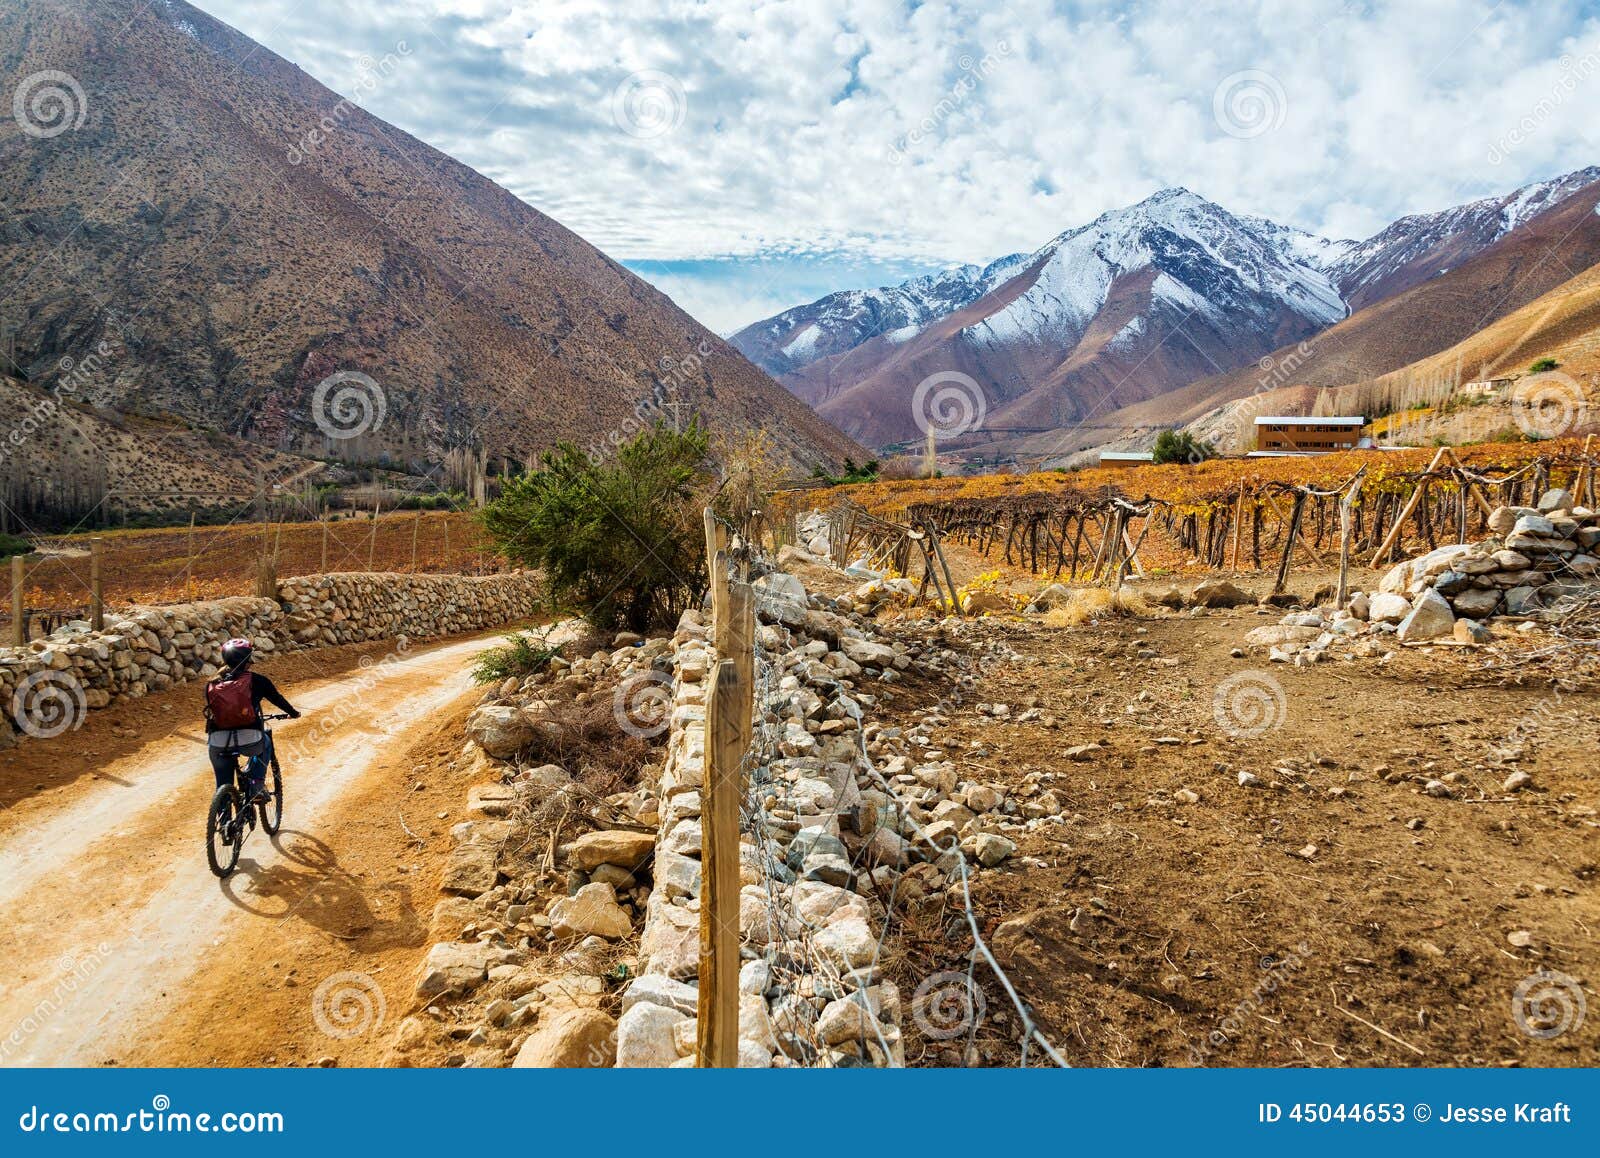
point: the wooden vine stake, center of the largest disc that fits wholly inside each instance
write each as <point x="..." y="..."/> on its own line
<point x="1290" y="536"/>
<point x="1346" y="511"/>
<point x="1393" y="536"/>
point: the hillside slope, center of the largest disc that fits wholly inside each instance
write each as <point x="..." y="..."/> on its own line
<point x="232" y="261"/>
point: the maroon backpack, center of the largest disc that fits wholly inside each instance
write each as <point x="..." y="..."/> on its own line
<point x="232" y="703"/>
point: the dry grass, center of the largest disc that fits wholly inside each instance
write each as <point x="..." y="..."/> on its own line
<point x="1091" y="604"/>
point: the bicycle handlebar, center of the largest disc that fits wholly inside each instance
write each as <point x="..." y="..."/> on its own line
<point x="276" y="716"/>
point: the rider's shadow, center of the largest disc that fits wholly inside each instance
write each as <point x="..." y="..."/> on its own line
<point x="310" y="885"/>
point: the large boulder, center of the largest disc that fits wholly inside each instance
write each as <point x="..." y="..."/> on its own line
<point x="1277" y="635"/>
<point x="572" y="1039"/>
<point x="590" y="912"/>
<point x="1555" y="500"/>
<point x="1426" y="568"/>
<point x="1052" y="596"/>
<point x="986" y="602"/>
<point x="1430" y="618"/>
<point x="1221" y="593"/>
<point x="645" y="1036"/>
<point x="1476" y="602"/>
<point x="614" y="846"/>
<point x="1388" y="607"/>
<point x="452" y="967"/>
<point x="866" y="652"/>
<point x="500" y="730"/>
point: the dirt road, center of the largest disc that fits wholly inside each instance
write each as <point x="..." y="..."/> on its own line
<point x="120" y="946"/>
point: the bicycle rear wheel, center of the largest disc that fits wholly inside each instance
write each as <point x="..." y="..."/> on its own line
<point x="272" y="810"/>
<point x="225" y="830"/>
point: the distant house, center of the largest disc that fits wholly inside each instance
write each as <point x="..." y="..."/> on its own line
<point x="1125" y="457"/>
<point x="1280" y="434"/>
<point x="1487" y="386"/>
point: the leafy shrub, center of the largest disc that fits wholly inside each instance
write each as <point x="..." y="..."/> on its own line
<point x="521" y="656"/>
<point x="865" y="473"/>
<point x="621" y="539"/>
<point x="1544" y="364"/>
<point x="11" y="545"/>
<point x="1181" y="446"/>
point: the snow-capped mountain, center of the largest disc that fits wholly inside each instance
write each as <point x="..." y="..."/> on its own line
<point x="1139" y="302"/>
<point x="1424" y="245"/>
<point x="841" y="321"/>
<point x="1205" y="260"/>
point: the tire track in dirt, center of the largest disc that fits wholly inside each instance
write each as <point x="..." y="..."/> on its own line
<point x="108" y="905"/>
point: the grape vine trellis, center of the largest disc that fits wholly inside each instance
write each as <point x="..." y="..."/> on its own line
<point x="1377" y="515"/>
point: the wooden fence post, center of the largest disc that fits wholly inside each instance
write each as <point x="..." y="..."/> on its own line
<point x="97" y="602"/>
<point x="324" y="521"/>
<point x="728" y="731"/>
<point x="717" y="1030"/>
<point x="188" y="574"/>
<point x="19" y="624"/>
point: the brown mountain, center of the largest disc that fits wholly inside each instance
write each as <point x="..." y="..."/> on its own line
<point x="192" y="229"/>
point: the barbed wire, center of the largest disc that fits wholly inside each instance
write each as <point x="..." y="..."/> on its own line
<point x="782" y="913"/>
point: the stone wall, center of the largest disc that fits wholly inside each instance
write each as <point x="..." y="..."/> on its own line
<point x="47" y="686"/>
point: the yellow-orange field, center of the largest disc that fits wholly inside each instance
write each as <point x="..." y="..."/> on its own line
<point x="1195" y="486"/>
<point x="176" y="565"/>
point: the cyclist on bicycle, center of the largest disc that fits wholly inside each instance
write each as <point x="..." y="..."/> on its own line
<point x="234" y="726"/>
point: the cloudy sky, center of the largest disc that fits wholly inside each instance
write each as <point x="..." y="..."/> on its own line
<point x="747" y="156"/>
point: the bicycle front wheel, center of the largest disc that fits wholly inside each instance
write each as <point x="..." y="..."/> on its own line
<point x="225" y="830"/>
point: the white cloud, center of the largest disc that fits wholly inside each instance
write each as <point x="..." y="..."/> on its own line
<point x="851" y="127"/>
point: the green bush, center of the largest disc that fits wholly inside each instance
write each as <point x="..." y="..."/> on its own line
<point x="620" y="540"/>
<point x="1544" y="364"/>
<point x="867" y="472"/>
<point x="11" y="545"/>
<point x="1181" y="446"/>
<point x="521" y="656"/>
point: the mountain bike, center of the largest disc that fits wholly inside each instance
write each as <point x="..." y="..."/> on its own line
<point x="232" y="817"/>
